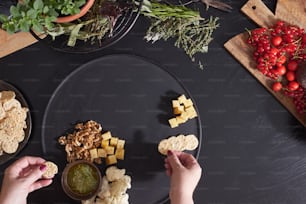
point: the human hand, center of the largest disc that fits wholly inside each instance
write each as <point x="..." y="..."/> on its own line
<point x="21" y="178"/>
<point x="185" y="173"/>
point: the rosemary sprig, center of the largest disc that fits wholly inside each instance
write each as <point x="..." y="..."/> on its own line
<point x="192" y="32"/>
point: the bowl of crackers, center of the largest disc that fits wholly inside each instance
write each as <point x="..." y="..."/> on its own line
<point x="81" y="180"/>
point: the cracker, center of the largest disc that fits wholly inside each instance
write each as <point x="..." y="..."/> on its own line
<point x="13" y="103"/>
<point x="7" y="95"/>
<point x="51" y="170"/>
<point x="10" y="146"/>
<point x="2" y="112"/>
<point x="178" y="143"/>
<point x="192" y="142"/>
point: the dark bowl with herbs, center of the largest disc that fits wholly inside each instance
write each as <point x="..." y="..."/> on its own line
<point x="81" y="180"/>
<point x="103" y="25"/>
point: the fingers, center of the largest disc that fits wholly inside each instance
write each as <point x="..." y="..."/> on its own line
<point x="35" y="173"/>
<point x="40" y="184"/>
<point x="25" y="162"/>
<point x="173" y="160"/>
<point x="187" y="160"/>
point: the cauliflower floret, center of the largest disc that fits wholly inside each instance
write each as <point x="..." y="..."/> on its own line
<point x="89" y="201"/>
<point x="120" y="186"/>
<point x="113" y="173"/>
<point x="105" y="189"/>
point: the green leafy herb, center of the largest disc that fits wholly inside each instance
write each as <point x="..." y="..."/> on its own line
<point x="192" y="32"/>
<point x="38" y="14"/>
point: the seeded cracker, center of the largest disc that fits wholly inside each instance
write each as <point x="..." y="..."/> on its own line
<point x="51" y="170"/>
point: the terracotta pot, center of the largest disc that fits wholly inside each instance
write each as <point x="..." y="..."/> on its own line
<point x="84" y="10"/>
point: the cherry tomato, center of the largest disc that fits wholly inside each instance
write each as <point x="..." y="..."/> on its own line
<point x="274" y="51"/>
<point x="277" y="86"/>
<point x="282" y="59"/>
<point x="277" y="40"/>
<point x="281" y="70"/>
<point x="304" y="38"/>
<point x="293" y="85"/>
<point x="290" y="76"/>
<point x="292" y="65"/>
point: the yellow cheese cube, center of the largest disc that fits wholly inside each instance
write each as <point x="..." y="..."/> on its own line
<point x="110" y="150"/>
<point x="178" y="110"/>
<point x="120" y="154"/>
<point x="188" y="103"/>
<point x="184" y="116"/>
<point x="179" y="120"/>
<point x="175" y="103"/>
<point x="173" y="123"/>
<point x="102" y="153"/>
<point x="105" y="143"/>
<point x="106" y="135"/>
<point x="182" y="98"/>
<point x="93" y="153"/>
<point x="111" y="159"/>
<point x="120" y="144"/>
<point x="191" y="112"/>
<point x="113" y="141"/>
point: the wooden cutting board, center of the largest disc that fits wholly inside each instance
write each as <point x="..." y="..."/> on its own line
<point x="291" y="11"/>
<point x="10" y="43"/>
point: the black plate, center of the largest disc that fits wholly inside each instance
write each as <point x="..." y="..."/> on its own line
<point x="5" y="86"/>
<point x="130" y="97"/>
<point x="123" y="25"/>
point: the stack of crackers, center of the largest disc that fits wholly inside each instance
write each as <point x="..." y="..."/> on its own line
<point x="12" y="122"/>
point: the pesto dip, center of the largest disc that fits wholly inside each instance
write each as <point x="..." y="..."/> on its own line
<point x="82" y="179"/>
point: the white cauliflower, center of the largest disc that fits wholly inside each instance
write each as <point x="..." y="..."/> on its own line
<point x="120" y="186"/>
<point x="113" y="173"/>
<point x="105" y="189"/>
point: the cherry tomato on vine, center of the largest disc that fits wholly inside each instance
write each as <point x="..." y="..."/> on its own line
<point x="292" y="65"/>
<point x="277" y="86"/>
<point x="290" y="76"/>
<point x="282" y="59"/>
<point x="293" y="85"/>
<point x="281" y="70"/>
<point x="277" y="40"/>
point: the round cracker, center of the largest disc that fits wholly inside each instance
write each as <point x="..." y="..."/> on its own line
<point x="163" y="146"/>
<point x="51" y="170"/>
<point x="192" y="142"/>
<point x="13" y="103"/>
<point x="10" y="146"/>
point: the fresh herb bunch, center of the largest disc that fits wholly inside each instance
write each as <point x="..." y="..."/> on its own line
<point x="192" y="32"/>
<point x="38" y="14"/>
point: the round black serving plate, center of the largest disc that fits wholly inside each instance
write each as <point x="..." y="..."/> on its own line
<point x="5" y="86"/>
<point x="123" y="25"/>
<point x="131" y="97"/>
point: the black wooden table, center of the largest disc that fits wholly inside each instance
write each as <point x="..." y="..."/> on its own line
<point x="253" y="149"/>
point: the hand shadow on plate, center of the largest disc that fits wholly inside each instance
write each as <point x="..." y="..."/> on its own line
<point x="142" y="161"/>
<point x="165" y="105"/>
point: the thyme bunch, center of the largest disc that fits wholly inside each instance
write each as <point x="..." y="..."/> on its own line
<point x="192" y="32"/>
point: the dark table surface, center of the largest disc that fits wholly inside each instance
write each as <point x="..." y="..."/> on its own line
<point x="253" y="149"/>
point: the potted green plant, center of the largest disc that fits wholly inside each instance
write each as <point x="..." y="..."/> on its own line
<point x="40" y="15"/>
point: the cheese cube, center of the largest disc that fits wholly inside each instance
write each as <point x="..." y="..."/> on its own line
<point x="178" y="110"/>
<point x="93" y="153"/>
<point x="120" y="144"/>
<point x="182" y="98"/>
<point x="105" y="143"/>
<point x="106" y="135"/>
<point x="120" y="154"/>
<point x="173" y="123"/>
<point x="113" y="141"/>
<point x="191" y="112"/>
<point x="175" y="103"/>
<point x="110" y="150"/>
<point x="188" y="103"/>
<point x="111" y="159"/>
<point x="102" y="153"/>
<point x="184" y="116"/>
<point x="179" y="120"/>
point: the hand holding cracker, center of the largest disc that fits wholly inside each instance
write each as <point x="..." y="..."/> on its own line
<point x="21" y="178"/>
